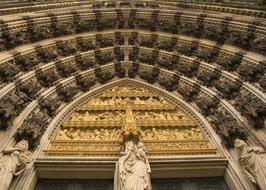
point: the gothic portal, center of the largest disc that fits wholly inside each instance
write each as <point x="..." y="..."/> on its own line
<point x="132" y="95"/>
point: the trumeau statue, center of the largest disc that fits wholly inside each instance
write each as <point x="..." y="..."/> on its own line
<point x="132" y="169"/>
<point x="13" y="162"/>
<point x="253" y="160"/>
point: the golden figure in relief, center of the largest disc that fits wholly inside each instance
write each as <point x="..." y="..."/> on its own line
<point x="126" y="111"/>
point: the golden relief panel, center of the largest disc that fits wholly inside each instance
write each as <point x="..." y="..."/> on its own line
<point x="100" y="126"/>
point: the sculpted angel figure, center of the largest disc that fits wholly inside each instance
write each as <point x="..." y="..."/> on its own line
<point x="13" y="162"/>
<point x="133" y="169"/>
<point x="253" y="160"/>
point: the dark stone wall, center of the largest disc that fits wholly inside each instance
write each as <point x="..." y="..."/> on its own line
<point x="210" y="183"/>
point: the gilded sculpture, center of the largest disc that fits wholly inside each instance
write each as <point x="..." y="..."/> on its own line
<point x="106" y="121"/>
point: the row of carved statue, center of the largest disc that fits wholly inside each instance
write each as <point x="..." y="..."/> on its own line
<point x="189" y="92"/>
<point x="250" y="104"/>
<point x="75" y="133"/>
<point x="118" y="115"/>
<point x="89" y="134"/>
<point x="196" y="27"/>
<point x="133" y="165"/>
<point x="118" y="100"/>
<point x="246" y="70"/>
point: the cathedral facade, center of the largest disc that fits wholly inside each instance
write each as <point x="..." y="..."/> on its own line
<point x="132" y="95"/>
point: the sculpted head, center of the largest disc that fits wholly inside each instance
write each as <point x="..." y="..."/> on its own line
<point x="130" y="146"/>
<point x="239" y="143"/>
<point x="140" y="145"/>
<point x="22" y="145"/>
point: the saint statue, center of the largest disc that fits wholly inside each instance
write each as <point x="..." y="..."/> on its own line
<point x="13" y="162"/>
<point x="253" y="160"/>
<point x="132" y="169"/>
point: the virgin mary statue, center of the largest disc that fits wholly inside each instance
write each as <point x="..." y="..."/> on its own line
<point x="132" y="169"/>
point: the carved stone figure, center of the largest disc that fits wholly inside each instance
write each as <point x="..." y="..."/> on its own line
<point x="259" y="45"/>
<point x="46" y="54"/>
<point x="66" y="48"/>
<point x="188" y="69"/>
<point x="252" y="108"/>
<point x="26" y="61"/>
<point x="151" y="76"/>
<point x="13" y="162"/>
<point x="66" y="93"/>
<point x="251" y="72"/>
<point x="208" y="77"/>
<point x="253" y="160"/>
<point x="208" y="105"/>
<point x="149" y="57"/>
<point x="133" y="169"/>
<point x="230" y="63"/>
<point x="229" y="89"/>
<point x="8" y="70"/>
<point x="103" y="57"/>
<point x="187" y="48"/>
<point x="189" y="92"/>
<point x="33" y="128"/>
<point x="167" y="45"/>
<point x="47" y="77"/>
<point x="168" y="62"/>
<point x="168" y="83"/>
<point x="227" y="127"/>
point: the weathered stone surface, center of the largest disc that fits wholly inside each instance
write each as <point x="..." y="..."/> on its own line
<point x="84" y="63"/>
<point x="67" y="93"/>
<point x="84" y="83"/>
<point x="229" y="89"/>
<point x="120" y="70"/>
<point x="50" y="106"/>
<point x="189" y="92"/>
<point x="227" y="127"/>
<point x="102" y="76"/>
<point x="169" y="83"/>
<point x="47" y="77"/>
<point x="26" y="62"/>
<point x="252" y="108"/>
<point x="151" y="76"/>
<point x="206" y="104"/>
<point x="33" y="129"/>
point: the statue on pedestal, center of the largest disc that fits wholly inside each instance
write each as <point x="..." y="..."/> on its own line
<point x="13" y="162"/>
<point x="132" y="169"/>
<point x="253" y="160"/>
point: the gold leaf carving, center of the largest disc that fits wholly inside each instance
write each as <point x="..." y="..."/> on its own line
<point x="99" y="126"/>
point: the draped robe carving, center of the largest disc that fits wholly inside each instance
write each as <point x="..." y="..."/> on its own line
<point x="133" y="169"/>
<point x="253" y="160"/>
<point x="13" y="163"/>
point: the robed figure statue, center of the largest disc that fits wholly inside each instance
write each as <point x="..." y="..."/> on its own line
<point x="13" y="163"/>
<point x="253" y="160"/>
<point x="132" y="169"/>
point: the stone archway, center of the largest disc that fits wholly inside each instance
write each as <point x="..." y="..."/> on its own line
<point x="89" y="166"/>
